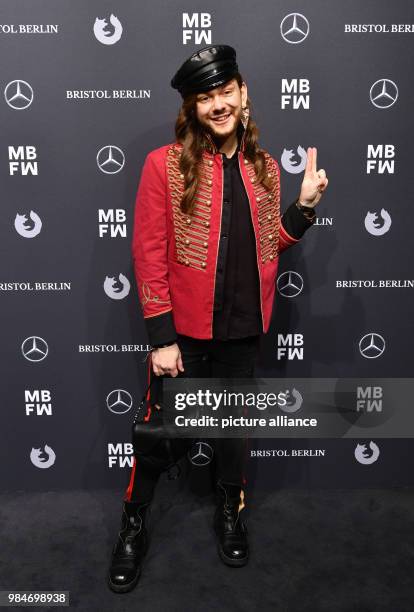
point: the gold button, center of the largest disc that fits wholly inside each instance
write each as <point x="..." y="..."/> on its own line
<point x="209" y="182"/>
<point x="181" y="176"/>
<point x="207" y="223"/>
<point x="188" y="220"/>
<point x="269" y="217"/>
<point x="253" y="179"/>
<point x="270" y="236"/>
<point x="187" y="263"/>
<point x="271" y="257"/>
<point x="205" y="244"/>
<point x="263" y="260"/>
<point x="203" y="264"/>
<point x="208" y="202"/>
<point x="187" y="241"/>
<point x="210" y="163"/>
<point x="246" y="161"/>
<point x="257" y="199"/>
<point x="269" y="174"/>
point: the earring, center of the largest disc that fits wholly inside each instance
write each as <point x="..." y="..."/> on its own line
<point x="245" y="116"/>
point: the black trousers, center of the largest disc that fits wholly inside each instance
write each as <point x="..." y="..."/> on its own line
<point x="201" y="359"/>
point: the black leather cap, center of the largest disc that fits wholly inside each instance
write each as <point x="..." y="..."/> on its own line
<point x="206" y="69"/>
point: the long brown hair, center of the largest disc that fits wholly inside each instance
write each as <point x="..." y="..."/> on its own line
<point x="191" y="134"/>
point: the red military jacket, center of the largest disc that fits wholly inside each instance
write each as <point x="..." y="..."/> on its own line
<point x="175" y="254"/>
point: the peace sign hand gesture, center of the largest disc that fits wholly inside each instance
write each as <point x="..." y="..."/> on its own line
<point x="314" y="182"/>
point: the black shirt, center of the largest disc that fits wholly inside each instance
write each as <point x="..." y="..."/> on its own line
<point x="237" y="291"/>
<point x="237" y="312"/>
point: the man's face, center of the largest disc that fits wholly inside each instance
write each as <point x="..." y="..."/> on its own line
<point x="219" y="109"/>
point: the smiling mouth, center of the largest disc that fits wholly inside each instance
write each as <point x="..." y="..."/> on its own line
<point x="221" y="119"/>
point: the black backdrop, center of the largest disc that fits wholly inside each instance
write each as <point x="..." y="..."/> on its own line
<point x="56" y="283"/>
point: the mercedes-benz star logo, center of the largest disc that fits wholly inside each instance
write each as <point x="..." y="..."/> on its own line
<point x="110" y="159"/>
<point x="371" y="345"/>
<point x="34" y="348"/>
<point x="200" y="453"/>
<point x="289" y="284"/>
<point x="18" y="94"/>
<point x="294" y="28"/>
<point x="383" y="93"/>
<point x="119" y="401"/>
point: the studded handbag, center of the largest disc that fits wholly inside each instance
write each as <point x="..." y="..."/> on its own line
<point x="149" y="436"/>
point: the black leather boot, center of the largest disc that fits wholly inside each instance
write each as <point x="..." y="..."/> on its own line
<point x="129" y="549"/>
<point x="231" y="531"/>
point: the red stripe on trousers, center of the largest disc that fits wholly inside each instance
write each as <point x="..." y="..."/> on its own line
<point x="128" y="492"/>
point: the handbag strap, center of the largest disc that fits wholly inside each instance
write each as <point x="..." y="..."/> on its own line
<point x="141" y="404"/>
<point x="146" y="392"/>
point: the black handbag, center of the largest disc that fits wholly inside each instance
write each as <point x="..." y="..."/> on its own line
<point x="147" y="435"/>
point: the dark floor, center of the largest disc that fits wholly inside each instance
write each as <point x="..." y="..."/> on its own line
<point x="316" y="551"/>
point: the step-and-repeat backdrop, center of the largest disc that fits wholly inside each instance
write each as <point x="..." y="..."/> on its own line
<point x="85" y="96"/>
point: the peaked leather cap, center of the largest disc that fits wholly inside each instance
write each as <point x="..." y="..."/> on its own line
<point x="206" y="69"/>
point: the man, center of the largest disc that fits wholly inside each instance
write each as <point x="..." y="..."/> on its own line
<point x="207" y="237"/>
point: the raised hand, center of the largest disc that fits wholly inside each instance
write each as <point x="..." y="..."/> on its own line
<point x="314" y="181"/>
